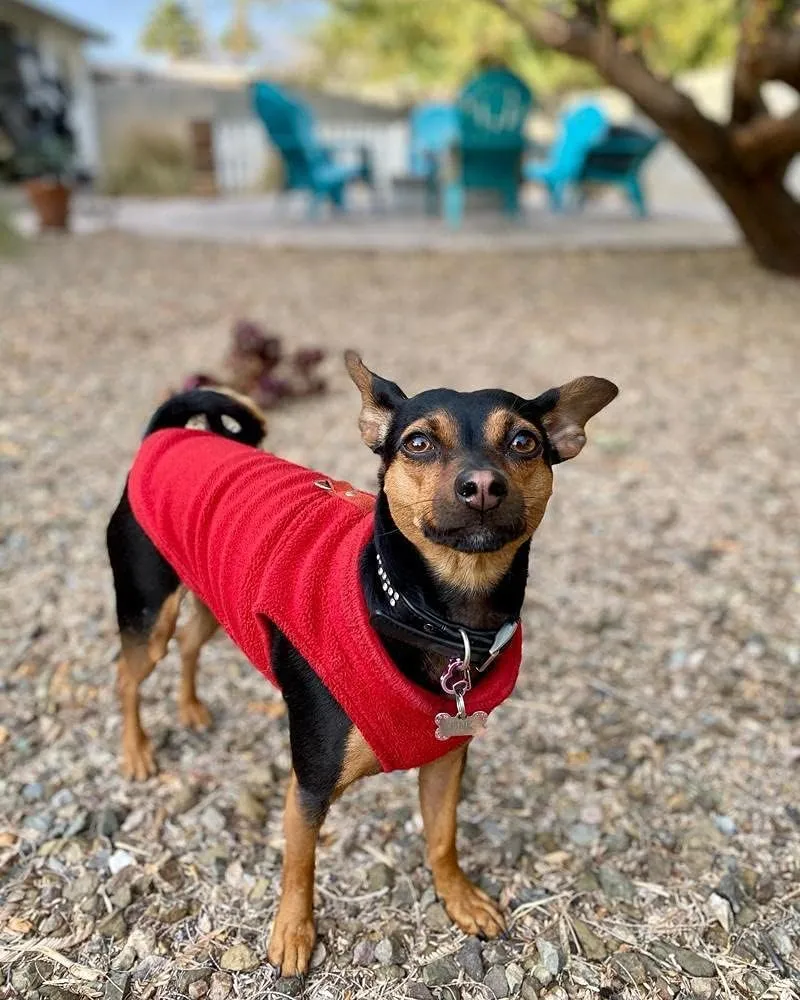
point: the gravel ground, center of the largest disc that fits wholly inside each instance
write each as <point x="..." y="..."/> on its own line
<point x="634" y="805"/>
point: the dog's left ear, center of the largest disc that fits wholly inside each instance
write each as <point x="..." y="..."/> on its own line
<point x="379" y="400"/>
<point x="566" y="410"/>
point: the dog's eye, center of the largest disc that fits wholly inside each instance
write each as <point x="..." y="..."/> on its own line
<point x="524" y="443"/>
<point x="417" y="444"/>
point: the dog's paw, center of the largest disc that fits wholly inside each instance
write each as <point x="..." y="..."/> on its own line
<point x="138" y="759"/>
<point x="291" y="944"/>
<point x="194" y="715"/>
<point x="471" y="909"/>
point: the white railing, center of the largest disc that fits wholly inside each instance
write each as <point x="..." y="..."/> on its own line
<point x="243" y="153"/>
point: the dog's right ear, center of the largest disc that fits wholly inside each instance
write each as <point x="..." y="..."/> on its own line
<point x="379" y="400"/>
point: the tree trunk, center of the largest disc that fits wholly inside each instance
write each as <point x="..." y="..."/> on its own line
<point x="766" y="213"/>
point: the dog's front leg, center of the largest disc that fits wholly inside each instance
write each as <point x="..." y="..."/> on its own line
<point x="439" y="792"/>
<point x="293" y="933"/>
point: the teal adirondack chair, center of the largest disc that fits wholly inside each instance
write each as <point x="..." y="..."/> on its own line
<point x="489" y="152"/>
<point x="432" y="127"/>
<point x="308" y="164"/>
<point x="589" y="150"/>
<point x="582" y="127"/>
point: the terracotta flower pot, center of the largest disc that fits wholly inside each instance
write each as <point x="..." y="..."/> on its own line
<point x="50" y="200"/>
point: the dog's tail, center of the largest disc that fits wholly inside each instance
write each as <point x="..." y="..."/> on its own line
<point x="219" y="410"/>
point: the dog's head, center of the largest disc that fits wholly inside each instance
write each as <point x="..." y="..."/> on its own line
<point x="468" y="475"/>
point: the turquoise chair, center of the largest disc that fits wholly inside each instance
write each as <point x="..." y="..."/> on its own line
<point x="589" y="150"/>
<point x="308" y="164"/>
<point x="582" y="127"/>
<point x="488" y="155"/>
<point x="618" y="161"/>
<point x="433" y="128"/>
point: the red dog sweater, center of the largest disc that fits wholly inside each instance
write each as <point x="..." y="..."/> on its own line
<point x="258" y="542"/>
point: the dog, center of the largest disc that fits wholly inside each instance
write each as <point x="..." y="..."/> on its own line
<point x="389" y="622"/>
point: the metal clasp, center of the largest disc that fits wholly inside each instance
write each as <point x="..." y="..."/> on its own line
<point x="456" y="680"/>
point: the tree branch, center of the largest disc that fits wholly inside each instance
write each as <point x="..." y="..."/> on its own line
<point x="767" y="141"/>
<point x="777" y="56"/>
<point x="672" y="110"/>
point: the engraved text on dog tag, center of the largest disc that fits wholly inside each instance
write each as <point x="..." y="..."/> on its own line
<point x="448" y="726"/>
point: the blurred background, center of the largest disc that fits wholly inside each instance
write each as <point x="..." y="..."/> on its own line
<point x="471" y="193"/>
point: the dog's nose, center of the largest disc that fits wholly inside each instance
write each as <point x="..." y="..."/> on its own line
<point x="481" y="489"/>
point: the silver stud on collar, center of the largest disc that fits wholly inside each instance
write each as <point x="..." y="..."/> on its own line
<point x="388" y="589"/>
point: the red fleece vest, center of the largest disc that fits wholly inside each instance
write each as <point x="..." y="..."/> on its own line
<point x="258" y="542"/>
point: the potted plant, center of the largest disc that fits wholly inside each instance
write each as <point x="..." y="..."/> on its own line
<point x="45" y="164"/>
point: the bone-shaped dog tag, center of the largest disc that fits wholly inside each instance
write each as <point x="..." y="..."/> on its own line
<point x="448" y="726"/>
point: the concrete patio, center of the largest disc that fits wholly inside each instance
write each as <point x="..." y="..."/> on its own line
<point x="377" y="224"/>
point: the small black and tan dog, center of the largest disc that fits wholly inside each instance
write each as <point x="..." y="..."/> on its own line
<point x="465" y="478"/>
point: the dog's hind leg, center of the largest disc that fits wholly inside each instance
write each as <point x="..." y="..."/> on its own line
<point x="148" y="595"/>
<point x="191" y="638"/>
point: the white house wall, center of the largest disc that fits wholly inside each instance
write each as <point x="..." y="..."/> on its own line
<point x="61" y="53"/>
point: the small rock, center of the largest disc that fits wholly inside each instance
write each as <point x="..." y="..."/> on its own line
<point x="512" y="849"/>
<point x="781" y="941"/>
<point x="53" y="925"/>
<point x="436" y="918"/>
<point x="290" y="986"/>
<point x="440" y="971"/>
<point x="213" y="820"/>
<point x="586" y="882"/>
<point x="119" y="860"/>
<point x="497" y="953"/>
<point x="318" y="955"/>
<point x="417" y="990"/>
<point x="261" y="887"/>
<point x="746" y="916"/>
<point x="582" y="834"/>
<point x="77" y="824"/>
<point x="765" y="888"/>
<point x="142" y="941"/>
<point x="62" y="798"/>
<point x="584" y="974"/>
<point x="594" y="947"/>
<point x="630" y="967"/>
<point x="542" y="976"/>
<point x="183" y="800"/>
<point x="249" y="807"/>
<point x="556" y="993"/>
<point x="470" y="958"/>
<point x="113" y="926"/>
<point x="198" y="989"/>
<point x="549" y="956"/>
<point x="221" y="986"/>
<point x="173" y="912"/>
<point x="123" y="962"/>
<point x="694" y="964"/>
<point x="616" y="885"/>
<point x="514" y="975"/>
<point x="239" y="958"/>
<point x="149" y="968"/>
<point x="403" y="895"/>
<point x="529" y="989"/>
<point x="721" y="910"/>
<point x="118" y="986"/>
<point x="703" y="989"/>
<point x="724" y="824"/>
<point x="390" y="951"/>
<point x="380" y="876"/>
<point x="364" y="952"/>
<point x="32" y="792"/>
<point x="390" y="973"/>
<point x="617" y="842"/>
<point x="755" y="985"/>
<point x="106" y="822"/>
<point x="496" y="981"/>
<point x="122" y="897"/>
